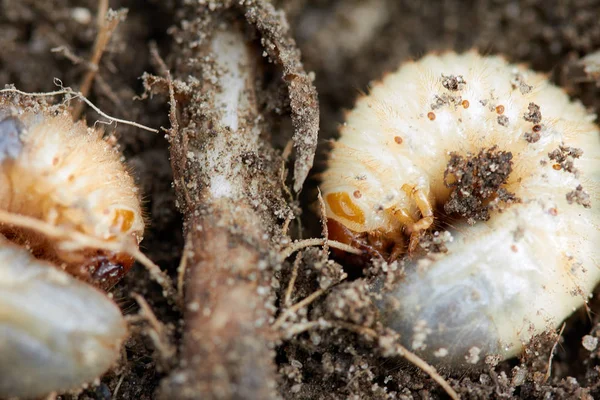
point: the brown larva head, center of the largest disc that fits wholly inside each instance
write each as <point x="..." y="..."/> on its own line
<point x="66" y="175"/>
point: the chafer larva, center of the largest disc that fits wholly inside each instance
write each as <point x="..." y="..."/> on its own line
<point x="66" y="175"/>
<point x="504" y="159"/>
<point x="57" y="332"/>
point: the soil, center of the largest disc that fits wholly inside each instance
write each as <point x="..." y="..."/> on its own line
<point x="344" y="45"/>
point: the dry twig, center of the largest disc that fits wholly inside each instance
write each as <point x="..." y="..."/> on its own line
<point x="108" y="20"/>
<point x="303" y="303"/>
<point x="290" y="288"/>
<point x="301" y="244"/>
<point x="551" y="357"/>
<point x="324" y="229"/>
<point x="158" y="334"/>
<point x="70" y="92"/>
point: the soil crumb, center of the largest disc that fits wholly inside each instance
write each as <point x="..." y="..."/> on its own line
<point x="564" y="157"/>
<point x="579" y="196"/>
<point x="476" y="180"/>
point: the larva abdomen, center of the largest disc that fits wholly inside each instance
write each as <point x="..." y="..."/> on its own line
<point x="498" y="285"/>
<point x="55" y="331"/>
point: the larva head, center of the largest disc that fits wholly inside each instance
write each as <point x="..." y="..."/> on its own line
<point x="67" y="175"/>
<point x="354" y="194"/>
<point x="346" y="209"/>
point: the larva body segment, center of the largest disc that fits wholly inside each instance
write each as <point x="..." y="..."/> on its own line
<point x="531" y="258"/>
<point x="56" y="332"/>
<point x="65" y="174"/>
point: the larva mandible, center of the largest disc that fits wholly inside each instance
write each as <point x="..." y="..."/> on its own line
<point x="509" y="163"/>
<point x="57" y="332"/>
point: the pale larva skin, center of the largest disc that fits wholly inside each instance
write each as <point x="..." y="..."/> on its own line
<point x="502" y="281"/>
<point x="56" y="332"/>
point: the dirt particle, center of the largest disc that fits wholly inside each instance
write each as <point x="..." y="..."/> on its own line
<point x="532" y="137"/>
<point x="435" y="242"/>
<point x="476" y="180"/>
<point x="453" y="82"/>
<point x="441" y="352"/>
<point x="351" y="302"/>
<point x="589" y="342"/>
<point x="519" y="82"/>
<point x="420" y="333"/>
<point x="533" y="114"/>
<point x="445" y="100"/>
<point x="357" y="194"/>
<point x="579" y="196"/>
<point x="564" y="157"/>
<point x="503" y="120"/>
<point x="473" y="356"/>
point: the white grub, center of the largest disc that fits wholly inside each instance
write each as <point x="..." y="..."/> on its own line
<point x="499" y="274"/>
<point x="66" y="175"/>
<point x="56" y="332"/>
<point x="589" y="342"/>
<point x="64" y="191"/>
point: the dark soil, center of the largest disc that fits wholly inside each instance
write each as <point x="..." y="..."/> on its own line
<point x="346" y="44"/>
<point x="475" y="180"/>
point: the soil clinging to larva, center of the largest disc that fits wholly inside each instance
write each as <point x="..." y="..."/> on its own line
<point x="453" y="82"/>
<point x="579" y="196"/>
<point x="564" y="157"/>
<point x="533" y="114"/>
<point x="475" y="180"/>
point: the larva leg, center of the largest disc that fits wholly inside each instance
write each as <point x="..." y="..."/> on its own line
<point x="408" y="221"/>
<point x="397" y="250"/>
<point x="424" y="207"/>
<point x="416" y="228"/>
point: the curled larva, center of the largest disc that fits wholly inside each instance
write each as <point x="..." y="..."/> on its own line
<point x="56" y="332"/>
<point x="504" y="159"/>
<point x="76" y="197"/>
<point x="66" y="175"/>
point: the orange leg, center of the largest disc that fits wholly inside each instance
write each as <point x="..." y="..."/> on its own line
<point x="424" y="207"/>
<point x="408" y="222"/>
<point x="415" y="229"/>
